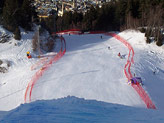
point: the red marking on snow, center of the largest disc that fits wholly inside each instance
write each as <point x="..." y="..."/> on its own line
<point x="129" y="61"/>
<point x="71" y="31"/>
<point x="144" y="96"/>
<point x="41" y="61"/>
<point x="78" y="32"/>
<point x="40" y="72"/>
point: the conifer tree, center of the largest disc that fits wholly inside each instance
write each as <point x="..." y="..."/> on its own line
<point x="27" y="11"/>
<point x="1" y="5"/>
<point x="18" y="13"/>
<point x="9" y="12"/>
<point x="17" y="35"/>
<point x="50" y="24"/>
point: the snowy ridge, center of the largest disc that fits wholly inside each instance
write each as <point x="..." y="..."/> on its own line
<point x="72" y="110"/>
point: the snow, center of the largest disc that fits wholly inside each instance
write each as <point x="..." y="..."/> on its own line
<point x="72" y="109"/>
<point x="86" y="85"/>
<point x="148" y="59"/>
<point x="93" y="72"/>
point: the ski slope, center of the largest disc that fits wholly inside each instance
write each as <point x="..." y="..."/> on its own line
<point x="88" y="70"/>
<point x="148" y="59"/>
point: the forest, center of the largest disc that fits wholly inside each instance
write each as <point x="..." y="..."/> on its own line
<point x="15" y="14"/>
<point x="116" y="15"/>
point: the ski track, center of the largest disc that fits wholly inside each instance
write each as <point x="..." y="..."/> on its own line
<point x="41" y="89"/>
<point x="47" y="82"/>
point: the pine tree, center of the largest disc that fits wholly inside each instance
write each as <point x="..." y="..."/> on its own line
<point x="18" y="13"/>
<point x="67" y="20"/>
<point x="89" y="18"/>
<point x="50" y="23"/>
<point x="1" y="9"/>
<point x="135" y="11"/>
<point x="1" y="6"/>
<point x="77" y="17"/>
<point x="27" y="11"/>
<point x="9" y="12"/>
<point x="17" y="35"/>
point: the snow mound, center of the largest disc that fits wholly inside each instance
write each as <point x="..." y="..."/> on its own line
<point x="73" y="109"/>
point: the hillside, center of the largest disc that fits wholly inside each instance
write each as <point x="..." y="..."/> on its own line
<point x="88" y="70"/>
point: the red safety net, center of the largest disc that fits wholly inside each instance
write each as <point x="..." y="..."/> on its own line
<point x="71" y="31"/>
<point x="144" y="96"/>
<point x="40" y="72"/>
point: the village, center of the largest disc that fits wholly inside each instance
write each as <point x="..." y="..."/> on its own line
<point x="45" y="8"/>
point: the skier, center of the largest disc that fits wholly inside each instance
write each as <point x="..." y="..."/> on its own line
<point x="154" y="72"/>
<point x="131" y="81"/>
<point x="28" y="55"/>
<point x="119" y="54"/>
<point x="136" y="81"/>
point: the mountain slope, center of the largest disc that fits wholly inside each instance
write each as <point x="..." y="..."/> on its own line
<point x="89" y="70"/>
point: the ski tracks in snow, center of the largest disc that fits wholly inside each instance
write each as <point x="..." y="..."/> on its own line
<point x="142" y="93"/>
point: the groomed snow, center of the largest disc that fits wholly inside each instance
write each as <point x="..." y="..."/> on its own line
<point x="149" y="64"/>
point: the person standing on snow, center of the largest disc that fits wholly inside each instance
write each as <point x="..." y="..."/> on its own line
<point x="28" y="55"/>
<point x="119" y="54"/>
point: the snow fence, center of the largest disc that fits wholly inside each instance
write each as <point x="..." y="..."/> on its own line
<point x="71" y="31"/>
<point x="39" y="73"/>
<point x="144" y="96"/>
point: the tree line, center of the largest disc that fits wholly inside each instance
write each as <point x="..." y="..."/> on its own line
<point x="15" y="14"/>
<point x="118" y="15"/>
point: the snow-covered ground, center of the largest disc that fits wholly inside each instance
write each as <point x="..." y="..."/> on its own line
<point x="88" y="70"/>
<point x="78" y="110"/>
<point x="149" y="64"/>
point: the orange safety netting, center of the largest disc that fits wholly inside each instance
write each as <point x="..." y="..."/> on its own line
<point x="40" y="72"/>
<point x="144" y="96"/>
